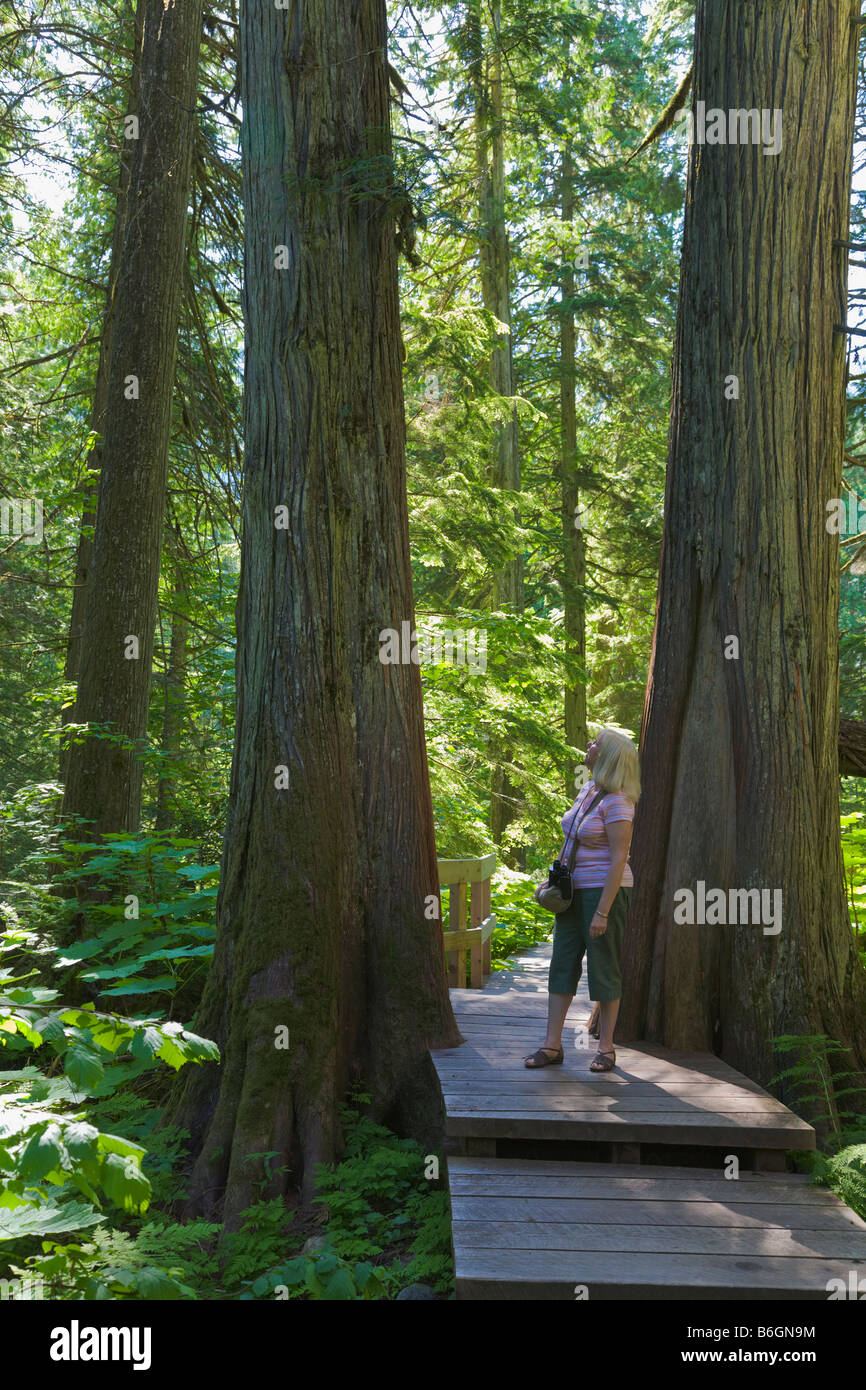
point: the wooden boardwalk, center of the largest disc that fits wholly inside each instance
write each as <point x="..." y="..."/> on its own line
<point x="532" y="1222"/>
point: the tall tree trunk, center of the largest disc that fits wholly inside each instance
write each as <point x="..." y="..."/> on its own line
<point x="574" y="555"/>
<point x="104" y="775"/>
<point x="329" y="848"/>
<point x="90" y="489"/>
<point x="740" y="751"/>
<point x="494" y="257"/>
<point x="175" y="693"/>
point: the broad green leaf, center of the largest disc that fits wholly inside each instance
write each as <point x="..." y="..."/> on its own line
<point x="165" y="982"/>
<point x="82" y="1066"/>
<point x="146" y="1044"/>
<point x="124" y="1183"/>
<point x="114" y="1144"/>
<point x="339" y="1286"/>
<point x="171" y="1053"/>
<point x="80" y="1140"/>
<point x="47" y="1219"/>
<point x="42" y="1153"/>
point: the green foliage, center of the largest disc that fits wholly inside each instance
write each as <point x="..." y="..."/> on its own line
<point x="76" y="1272"/>
<point x="854" y="857"/>
<point x="845" y="1174"/>
<point x="148" y="912"/>
<point x="324" y="1277"/>
<point x="520" y="922"/>
<point x="379" y="1201"/>
<point x="47" y="1142"/>
<point x="91" y="1045"/>
<point x="39" y="1147"/>
<point x="261" y="1239"/>
<point x="816" y="1080"/>
<point x="388" y="1226"/>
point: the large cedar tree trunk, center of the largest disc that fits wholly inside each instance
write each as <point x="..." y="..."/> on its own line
<point x="740" y="755"/>
<point x="326" y="867"/>
<point x="104" y="776"/>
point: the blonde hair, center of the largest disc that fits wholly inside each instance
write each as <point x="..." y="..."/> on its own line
<point x="617" y="767"/>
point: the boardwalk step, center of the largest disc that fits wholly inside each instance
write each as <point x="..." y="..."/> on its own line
<point x="533" y="1219"/>
<point x="547" y="1230"/>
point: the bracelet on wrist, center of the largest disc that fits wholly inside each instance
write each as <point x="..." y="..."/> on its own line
<point x="602" y="914"/>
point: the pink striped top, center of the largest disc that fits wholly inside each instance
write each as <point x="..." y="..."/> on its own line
<point x="593" y="851"/>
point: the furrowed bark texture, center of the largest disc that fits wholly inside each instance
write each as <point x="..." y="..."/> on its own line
<point x="740" y="762"/>
<point x="104" y="777"/>
<point x="321" y="924"/>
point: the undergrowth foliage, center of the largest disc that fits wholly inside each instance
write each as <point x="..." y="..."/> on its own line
<point x="842" y="1168"/>
<point x="388" y="1226"/>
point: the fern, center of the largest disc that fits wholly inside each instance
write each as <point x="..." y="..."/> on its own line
<point x="845" y="1174"/>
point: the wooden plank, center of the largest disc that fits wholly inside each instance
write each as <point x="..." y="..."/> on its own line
<point x="479" y="1147"/>
<point x="769" y="1160"/>
<point x="742" y="1131"/>
<point x="626" y="1103"/>
<point x="475" y="914"/>
<point x="570" y="1073"/>
<point x="486" y="916"/>
<point x="561" y="1082"/>
<point x="709" y="1188"/>
<point x="573" y="1070"/>
<point x="553" y="1274"/>
<point x="466" y="870"/>
<point x="466" y="937"/>
<point x="476" y="973"/>
<point x="512" y="1063"/>
<point x="551" y="1167"/>
<point x="764" y="1127"/>
<point x="773" y="1241"/>
<point x="639" y="1211"/>
<point x="511" y="1039"/>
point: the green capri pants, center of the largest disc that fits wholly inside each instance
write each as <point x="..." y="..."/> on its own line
<point x="571" y="940"/>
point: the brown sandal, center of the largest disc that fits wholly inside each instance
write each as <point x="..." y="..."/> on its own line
<point x="600" y="1062"/>
<point x="593" y="1028"/>
<point x="541" y="1059"/>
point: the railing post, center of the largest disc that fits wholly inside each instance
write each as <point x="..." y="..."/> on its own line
<point x="457" y="922"/>
<point x="476" y="952"/>
<point x="470" y="921"/>
<point x="485" y="913"/>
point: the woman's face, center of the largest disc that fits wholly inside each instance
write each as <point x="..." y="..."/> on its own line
<point x="592" y="752"/>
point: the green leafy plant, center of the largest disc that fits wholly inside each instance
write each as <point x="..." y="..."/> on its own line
<point x="44" y="1147"/>
<point x="817" y="1082"/>
<point x="154" y="933"/>
<point x="379" y="1203"/>
<point x="854" y="858"/>
<point x="845" y="1174"/>
<point x="78" y="1272"/>
<point x="322" y="1277"/>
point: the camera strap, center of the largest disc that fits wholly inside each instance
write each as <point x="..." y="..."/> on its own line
<point x="572" y="856"/>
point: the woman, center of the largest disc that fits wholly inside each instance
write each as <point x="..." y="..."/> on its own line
<point x="602" y="879"/>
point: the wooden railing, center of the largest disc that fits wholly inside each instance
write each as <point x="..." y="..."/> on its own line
<point x="470" y="921"/>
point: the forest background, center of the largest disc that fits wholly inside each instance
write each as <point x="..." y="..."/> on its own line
<point x="536" y="476"/>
